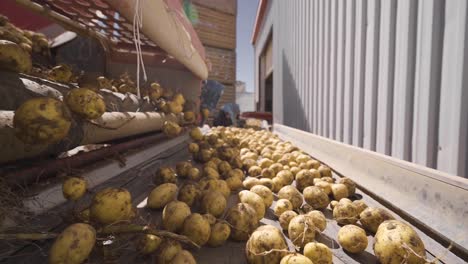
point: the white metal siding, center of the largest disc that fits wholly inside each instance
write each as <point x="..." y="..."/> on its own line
<point x="387" y="75"/>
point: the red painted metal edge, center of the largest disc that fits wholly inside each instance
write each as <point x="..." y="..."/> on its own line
<point x="258" y="20"/>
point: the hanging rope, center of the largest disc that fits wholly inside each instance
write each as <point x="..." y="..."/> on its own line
<point x="137" y="24"/>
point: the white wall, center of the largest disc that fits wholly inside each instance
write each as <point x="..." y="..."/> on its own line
<point x="386" y="75"/>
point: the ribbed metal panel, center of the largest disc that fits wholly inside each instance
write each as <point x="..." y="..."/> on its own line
<point x="385" y="75"/>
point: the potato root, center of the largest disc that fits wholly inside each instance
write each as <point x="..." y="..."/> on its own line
<point x="301" y="230"/>
<point x="266" y="245"/>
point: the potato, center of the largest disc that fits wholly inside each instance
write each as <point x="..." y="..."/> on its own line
<point x="161" y="195"/>
<point x="111" y="205"/>
<point x="167" y="251"/>
<point x="73" y="245"/>
<point x="266" y="182"/>
<point x="248" y="163"/>
<point x="285" y="176"/>
<point x="250" y="182"/>
<point x="396" y="242"/>
<point x="183" y="257"/>
<point x="171" y="129"/>
<point x="282" y="205"/>
<point x="183" y="169"/>
<point x="304" y="178"/>
<point x="360" y="205"/>
<point x="301" y="230"/>
<point x="265" y="163"/>
<point x="350" y="184"/>
<point x="294" y="170"/>
<point x="319" y="219"/>
<point x="212" y="163"/>
<point x="224" y="167"/>
<point x="204" y="155"/>
<point x="13" y="57"/>
<point x="194" y="174"/>
<point x="211" y="173"/>
<point x="74" y="188"/>
<point x="220" y="232"/>
<point x="234" y="183"/>
<point x="148" y="243"/>
<point x="276" y="167"/>
<point x="295" y="258"/>
<point x="210" y="218"/>
<point x="267" y="173"/>
<point x="352" y="238"/>
<point x="213" y="202"/>
<point x="328" y="179"/>
<point x="339" y="191"/>
<point x="174" y="214"/>
<point x="243" y="220"/>
<point x="277" y="184"/>
<point x="313" y="164"/>
<point x="193" y="148"/>
<point x="290" y="193"/>
<point x="85" y="103"/>
<point x="333" y="204"/>
<point x="41" y="120"/>
<point x="188" y="194"/>
<point x="255" y="201"/>
<point x="345" y="200"/>
<point x="255" y="171"/>
<point x="197" y="229"/>
<point x="325" y="171"/>
<point x="165" y="175"/>
<point x="266" y="239"/>
<point x="315" y="197"/>
<point x="345" y="213"/>
<point x="285" y="218"/>
<point x="265" y="193"/>
<point x="318" y="253"/>
<point x="196" y="134"/>
<point x="372" y="217"/>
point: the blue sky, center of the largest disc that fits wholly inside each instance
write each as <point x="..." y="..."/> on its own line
<point x="246" y="12"/>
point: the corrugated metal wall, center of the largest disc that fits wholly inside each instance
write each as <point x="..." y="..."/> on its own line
<point x="386" y="75"/>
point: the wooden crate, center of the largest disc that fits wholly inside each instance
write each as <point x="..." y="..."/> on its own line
<point x="216" y="28"/>
<point x="223" y="65"/>
<point x="226" y="6"/>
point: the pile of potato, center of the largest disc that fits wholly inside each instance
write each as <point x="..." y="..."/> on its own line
<point x="264" y="172"/>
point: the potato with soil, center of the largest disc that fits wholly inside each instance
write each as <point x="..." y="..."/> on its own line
<point x="255" y="171"/>
<point x="265" y="193"/>
<point x="194" y="174"/>
<point x="111" y="205"/>
<point x="211" y="173"/>
<point x="213" y="202"/>
<point x="325" y="186"/>
<point x="285" y="218"/>
<point x="352" y="238"/>
<point x="315" y="197"/>
<point x="319" y="219"/>
<point x="324" y="171"/>
<point x="318" y="253"/>
<point x="161" y="195"/>
<point x="74" y="188"/>
<point x="41" y="121"/>
<point x="339" y="191"/>
<point x="188" y="194"/>
<point x="73" y="245"/>
<point x="234" y="183"/>
<point x="285" y="177"/>
<point x="290" y="193"/>
<point x="220" y="232"/>
<point x="266" y="239"/>
<point x="167" y="251"/>
<point x="148" y="243"/>
<point x="350" y="184"/>
<point x="301" y="230"/>
<point x="196" y="134"/>
<point x="295" y="258"/>
<point x="85" y="103"/>
<point x="183" y="169"/>
<point x="165" y="175"/>
<point x="174" y="214"/>
<point x="396" y="242"/>
<point x="193" y="148"/>
<point x="243" y="220"/>
<point x="255" y="201"/>
<point x="250" y="182"/>
<point x="305" y="178"/>
<point x="171" y="129"/>
<point x="345" y="213"/>
<point x="267" y="182"/>
<point x="281" y="206"/>
<point x="197" y="229"/>
<point x="183" y="257"/>
<point x="360" y="205"/>
<point x="372" y="217"/>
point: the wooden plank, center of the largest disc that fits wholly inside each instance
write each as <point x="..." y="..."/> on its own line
<point x="333" y="69"/>
<point x="223" y="64"/>
<point x="349" y="72"/>
<point x="427" y="82"/>
<point x="403" y="90"/>
<point x="215" y="28"/>
<point x="340" y="69"/>
<point x="419" y="194"/>
<point x="453" y="131"/>
<point x="372" y="74"/>
<point x="227" y="6"/>
<point x="386" y="74"/>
